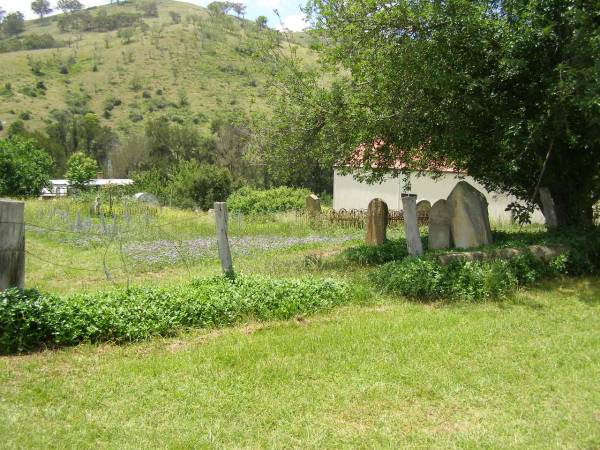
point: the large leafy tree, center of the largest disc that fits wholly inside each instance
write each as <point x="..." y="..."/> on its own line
<point x="24" y="168"/>
<point x="506" y="90"/>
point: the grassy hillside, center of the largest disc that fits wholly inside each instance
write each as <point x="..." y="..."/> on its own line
<point x="190" y="70"/>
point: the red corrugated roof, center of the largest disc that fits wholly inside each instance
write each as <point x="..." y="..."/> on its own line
<point x="357" y="161"/>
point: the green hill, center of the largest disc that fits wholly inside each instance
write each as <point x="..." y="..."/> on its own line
<point x="193" y="70"/>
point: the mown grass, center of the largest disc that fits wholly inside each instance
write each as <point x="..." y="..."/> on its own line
<point x="389" y="374"/>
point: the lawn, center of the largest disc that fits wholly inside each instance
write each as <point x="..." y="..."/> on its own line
<point x="381" y="372"/>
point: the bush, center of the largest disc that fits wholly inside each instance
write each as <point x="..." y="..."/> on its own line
<point x="30" y="319"/>
<point x="372" y="255"/>
<point x="249" y="201"/>
<point x="199" y="185"/>
<point x="24" y="168"/>
<point x="427" y="279"/>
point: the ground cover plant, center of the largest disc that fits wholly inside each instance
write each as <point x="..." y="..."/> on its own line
<point x="260" y="201"/>
<point x="515" y="374"/>
<point x="30" y="319"/>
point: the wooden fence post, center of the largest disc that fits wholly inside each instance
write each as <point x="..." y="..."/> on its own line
<point x="12" y="244"/>
<point x="223" y="239"/>
<point x="411" y="225"/>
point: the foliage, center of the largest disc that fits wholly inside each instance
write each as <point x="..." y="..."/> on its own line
<point x="250" y="201"/>
<point x="149" y="8"/>
<point x="199" y="185"/>
<point x="80" y="169"/>
<point x="13" y="23"/>
<point x="507" y="91"/>
<point x="31" y="41"/>
<point x="24" y="168"/>
<point x="391" y="250"/>
<point x="69" y="6"/>
<point x="30" y="319"/>
<point x="41" y="8"/>
<point x="427" y="279"/>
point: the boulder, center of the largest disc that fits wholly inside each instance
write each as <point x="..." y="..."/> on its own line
<point x="313" y="205"/>
<point x="439" y="226"/>
<point x="469" y="220"/>
<point x="377" y="221"/>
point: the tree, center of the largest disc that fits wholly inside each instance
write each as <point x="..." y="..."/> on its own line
<point x="507" y="91"/>
<point x="13" y="23"/>
<point x="41" y="8"/>
<point x="200" y="185"/>
<point x="149" y="8"/>
<point x="24" y="168"/>
<point x="69" y="6"/>
<point x="80" y="170"/>
<point x="261" y="22"/>
<point x="239" y="9"/>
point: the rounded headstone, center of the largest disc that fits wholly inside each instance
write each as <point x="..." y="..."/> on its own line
<point x="313" y="205"/>
<point x="377" y="221"/>
<point x="469" y="219"/>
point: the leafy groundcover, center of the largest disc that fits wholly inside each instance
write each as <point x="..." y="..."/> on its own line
<point x="30" y="320"/>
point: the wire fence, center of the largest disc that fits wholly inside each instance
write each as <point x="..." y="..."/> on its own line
<point x="84" y="247"/>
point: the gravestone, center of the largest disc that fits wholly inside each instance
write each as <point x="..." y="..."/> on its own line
<point x="411" y="225"/>
<point x="469" y="220"/>
<point x="12" y="244"/>
<point x="548" y="208"/>
<point x="377" y="221"/>
<point x="423" y="207"/>
<point x="439" y="226"/>
<point x="313" y="205"/>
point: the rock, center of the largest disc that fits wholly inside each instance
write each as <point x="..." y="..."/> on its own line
<point x="469" y="220"/>
<point x="313" y="205"/>
<point x="377" y="221"/>
<point x="439" y="226"/>
<point x="411" y="225"/>
<point x="544" y="253"/>
<point x="146" y="197"/>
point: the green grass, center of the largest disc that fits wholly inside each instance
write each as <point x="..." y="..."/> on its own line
<point x="386" y="374"/>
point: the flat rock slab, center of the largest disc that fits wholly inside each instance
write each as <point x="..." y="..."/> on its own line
<point x="545" y="253"/>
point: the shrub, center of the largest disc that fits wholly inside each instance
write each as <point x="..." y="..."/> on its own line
<point x="427" y="279"/>
<point x="80" y="169"/>
<point x="199" y="185"/>
<point x="30" y="319"/>
<point x="249" y="201"/>
<point x="372" y="255"/>
<point x="24" y="169"/>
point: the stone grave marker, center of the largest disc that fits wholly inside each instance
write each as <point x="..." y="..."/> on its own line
<point x="377" y="221"/>
<point x="469" y="220"/>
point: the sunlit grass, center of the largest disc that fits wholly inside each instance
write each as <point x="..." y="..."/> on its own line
<point x="385" y="374"/>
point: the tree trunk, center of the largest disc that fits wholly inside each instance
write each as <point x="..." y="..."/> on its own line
<point x="572" y="210"/>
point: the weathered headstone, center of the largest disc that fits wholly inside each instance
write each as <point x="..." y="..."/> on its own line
<point x="548" y="208"/>
<point x="411" y="225"/>
<point x="377" y="221"/>
<point x="313" y="205"/>
<point x="439" y="226"/>
<point x="469" y="220"/>
<point x="97" y="206"/>
<point x="423" y="207"/>
<point x="12" y="244"/>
